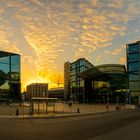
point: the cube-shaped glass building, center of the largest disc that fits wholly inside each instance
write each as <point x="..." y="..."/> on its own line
<point x="10" y="85"/>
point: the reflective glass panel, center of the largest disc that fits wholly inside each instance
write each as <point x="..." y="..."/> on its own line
<point x="133" y="48"/>
<point x="134" y="85"/>
<point x="73" y="65"/>
<point x="15" y="67"/>
<point x="73" y="71"/>
<point x="81" y="63"/>
<point x="4" y="60"/>
<point x="4" y="77"/>
<point x="73" y="78"/>
<point x="133" y="57"/>
<point x="133" y="66"/>
<point x="82" y="69"/>
<point x="4" y="68"/>
<point x="133" y="77"/>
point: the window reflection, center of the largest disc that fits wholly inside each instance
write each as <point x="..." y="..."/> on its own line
<point x="133" y="48"/>
<point x="133" y="57"/>
<point x="133" y="66"/>
<point x="73" y="65"/>
<point x="9" y="76"/>
<point x="134" y="85"/>
<point x="133" y="77"/>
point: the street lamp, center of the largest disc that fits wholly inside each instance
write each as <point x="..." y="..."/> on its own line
<point x="105" y="89"/>
<point x="107" y="100"/>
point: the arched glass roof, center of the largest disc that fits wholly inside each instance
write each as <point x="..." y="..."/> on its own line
<point x="102" y="72"/>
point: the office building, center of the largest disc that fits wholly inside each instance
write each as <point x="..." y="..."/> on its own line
<point x="10" y="85"/>
<point x="74" y="85"/>
<point x="36" y="90"/>
<point x="133" y="68"/>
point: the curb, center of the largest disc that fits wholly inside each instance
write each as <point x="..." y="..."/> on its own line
<point x="65" y="116"/>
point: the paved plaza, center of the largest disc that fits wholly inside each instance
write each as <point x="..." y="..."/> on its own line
<point x="61" y="109"/>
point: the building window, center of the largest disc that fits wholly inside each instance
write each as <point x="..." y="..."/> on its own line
<point x="133" y="66"/>
<point x="133" y="57"/>
<point x="134" y="86"/>
<point x="73" y="65"/>
<point x="73" y="78"/>
<point x="73" y="71"/>
<point x="81" y="63"/>
<point x="82" y="69"/>
<point x="133" y="48"/>
<point x="133" y="77"/>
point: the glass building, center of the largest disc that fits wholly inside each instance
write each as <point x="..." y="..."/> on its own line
<point x="91" y="84"/>
<point x="133" y="68"/>
<point x="10" y="85"/>
<point x="74" y="85"/>
<point x="105" y="79"/>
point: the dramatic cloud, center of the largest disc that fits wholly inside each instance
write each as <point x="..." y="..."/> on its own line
<point x="117" y="51"/>
<point x="47" y="33"/>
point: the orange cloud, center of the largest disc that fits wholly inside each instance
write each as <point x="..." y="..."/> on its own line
<point x="117" y="51"/>
<point x="123" y="60"/>
<point x="48" y="33"/>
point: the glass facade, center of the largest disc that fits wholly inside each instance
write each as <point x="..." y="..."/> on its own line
<point x="89" y="83"/>
<point x="133" y="66"/>
<point x="105" y="79"/>
<point x="76" y="84"/>
<point x="10" y="86"/>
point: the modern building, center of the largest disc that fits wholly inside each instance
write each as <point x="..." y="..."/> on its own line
<point x="36" y="90"/>
<point x="10" y="85"/>
<point x="89" y="83"/>
<point x="56" y="93"/>
<point x="74" y="85"/>
<point x="67" y="74"/>
<point x="133" y="68"/>
<point x="105" y="80"/>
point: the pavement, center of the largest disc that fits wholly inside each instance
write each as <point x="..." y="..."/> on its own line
<point x="61" y="110"/>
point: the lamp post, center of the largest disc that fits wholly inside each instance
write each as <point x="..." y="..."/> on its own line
<point x="107" y="100"/>
<point x="105" y="89"/>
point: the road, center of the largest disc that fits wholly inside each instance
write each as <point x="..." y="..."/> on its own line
<point x="108" y="126"/>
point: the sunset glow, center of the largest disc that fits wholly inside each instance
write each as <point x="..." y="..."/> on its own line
<point x="48" y="33"/>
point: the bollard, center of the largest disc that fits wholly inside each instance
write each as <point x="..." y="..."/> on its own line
<point x="17" y="112"/>
<point x="117" y="108"/>
<point x="78" y="110"/>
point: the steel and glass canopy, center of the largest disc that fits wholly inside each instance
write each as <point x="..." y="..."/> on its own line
<point x="102" y="72"/>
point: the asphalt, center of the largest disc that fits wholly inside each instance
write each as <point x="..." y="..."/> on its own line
<point x="74" y="128"/>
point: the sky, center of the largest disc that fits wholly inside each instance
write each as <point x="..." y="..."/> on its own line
<point x="48" y="33"/>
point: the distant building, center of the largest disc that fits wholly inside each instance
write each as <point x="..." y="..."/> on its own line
<point x="133" y="68"/>
<point x="10" y="85"/>
<point x="36" y="90"/>
<point x="56" y="93"/>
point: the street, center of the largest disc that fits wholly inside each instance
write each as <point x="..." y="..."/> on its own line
<point x="108" y="126"/>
